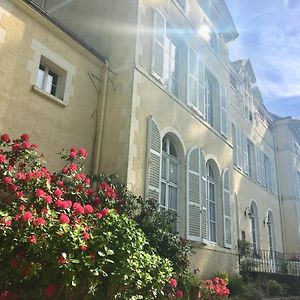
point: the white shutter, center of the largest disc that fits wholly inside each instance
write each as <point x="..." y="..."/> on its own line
<point x="245" y="154"/>
<point x="226" y="209"/>
<point x="158" y="46"/>
<point x="263" y="169"/>
<point x="223" y="105"/>
<point x="192" y="78"/>
<point x="238" y="148"/>
<point x="193" y="195"/>
<point x="258" y="165"/>
<point x="233" y="137"/>
<point x="201" y="85"/>
<point x="152" y="186"/>
<point x="204" y="204"/>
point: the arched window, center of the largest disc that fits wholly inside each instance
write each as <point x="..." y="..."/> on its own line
<point x="270" y="224"/>
<point x="211" y="197"/>
<point x="169" y="176"/>
<point x="254" y="227"/>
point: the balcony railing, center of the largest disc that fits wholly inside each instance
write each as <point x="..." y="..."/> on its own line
<point x="274" y="262"/>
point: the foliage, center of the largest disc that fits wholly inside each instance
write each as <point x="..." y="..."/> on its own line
<point x="244" y="248"/>
<point x="159" y="229"/>
<point x="66" y="235"/>
<point x="214" y="289"/>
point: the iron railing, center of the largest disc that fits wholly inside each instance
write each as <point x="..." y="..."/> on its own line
<point x="273" y="262"/>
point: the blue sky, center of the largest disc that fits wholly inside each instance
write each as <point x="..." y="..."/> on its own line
<point x="270" y="37"/>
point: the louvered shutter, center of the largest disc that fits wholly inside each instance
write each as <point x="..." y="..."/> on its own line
<point x="263" y="169"/>
<point x="245" y="154"/>
<point x="226" y="209"/>
<point x="193" y="195"/>
<point x="154" y="154"/>
<point x="258" y="165"/>
<point x="223" y="100"/>
<point x="192" y="78"/>
<point x="201" y="85"/>
<point x="158" y="46"/>
<point x="204" y="204"/>
<point x="238" y="148"/>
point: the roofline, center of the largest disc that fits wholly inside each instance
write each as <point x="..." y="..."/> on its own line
<point x="65" y="29"/>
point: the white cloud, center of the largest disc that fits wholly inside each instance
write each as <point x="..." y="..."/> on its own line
<point x="271" y="39"/>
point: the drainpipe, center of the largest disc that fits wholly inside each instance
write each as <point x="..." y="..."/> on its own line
<point x="279" y="187"/>
<point x="100" y="122"/>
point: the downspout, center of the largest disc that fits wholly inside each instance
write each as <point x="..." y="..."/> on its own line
<point x="279" y="189"/>
<point x="100" y="122"/>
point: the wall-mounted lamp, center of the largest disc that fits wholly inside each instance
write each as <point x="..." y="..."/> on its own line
<point x="267" y="221"/>
<point x="248" y="211"/>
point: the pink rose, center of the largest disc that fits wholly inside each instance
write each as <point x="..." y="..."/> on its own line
<point x="25" y="137"/>
<point x="5" y="138"/>
<point x="27" y="216"/>
<point x="64" y="219"/>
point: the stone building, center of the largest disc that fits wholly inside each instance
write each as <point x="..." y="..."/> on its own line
<point x="148" y="88"/>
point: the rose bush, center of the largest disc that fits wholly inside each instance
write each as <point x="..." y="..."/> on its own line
<point x="67" y="235"/>
<point x="214" y="289"/>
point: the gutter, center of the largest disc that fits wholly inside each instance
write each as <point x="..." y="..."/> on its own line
<point x="65" y="29"/>
<point x="100" y="123"/>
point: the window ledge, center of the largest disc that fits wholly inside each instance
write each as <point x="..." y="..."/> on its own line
<point x="48" y="96"/>
<point x="212" y="247"/>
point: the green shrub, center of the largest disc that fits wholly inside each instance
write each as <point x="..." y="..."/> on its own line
<point x="67" y="235"/>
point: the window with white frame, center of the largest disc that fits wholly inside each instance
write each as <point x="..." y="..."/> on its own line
<point x="169" y="176"/>
<point x="211" y="197"/>
<point x="51" y="78"/>
<point x="239" y="152"/>
<point x="195" y="84"/>
<point x="210" y="98"/>
<point x="166" y="54"/>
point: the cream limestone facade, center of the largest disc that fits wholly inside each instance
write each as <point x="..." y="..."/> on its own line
<point x="53" y="123"/>
<point x="169" y="112"/>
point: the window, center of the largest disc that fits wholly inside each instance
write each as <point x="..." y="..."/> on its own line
<point x="166" y="54"/>
<point x="213" y="41"/>
<point x="271" y="234"/>
<point x="223" y="105"/>
<point x="195" y="84"/>
<point x="209" y="99"/>
<point x="251" y="158"/>
<point x="248" y="114"/>
<point x="171" y="63"/>
<point x="169" y="176"/>
<point x="238" y="141"/>
<point x="51" y="78"/>
<point x="254" y="228"/>
<point x="211" y="196"/>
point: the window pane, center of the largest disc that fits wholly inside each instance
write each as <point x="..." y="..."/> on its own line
<point x="213" y="233"/>
<point x="212" y="211"/>
<point x="172" y="150"/>
<point x="48" y="85"/>
<point x="173" y="198"/>
<point x="54" y="82"/>
<point x="164" y="144"/>
<point x="163" y="168"/>
<point x="40" y="78"/>
<point x="173" y="172"/>
<point x="163" y="194"/>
